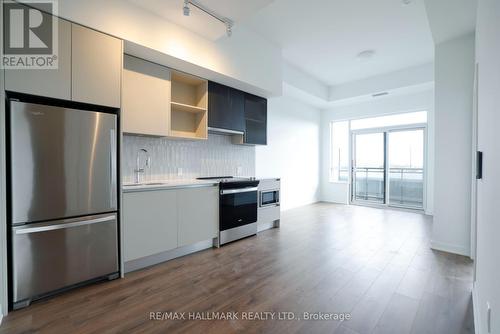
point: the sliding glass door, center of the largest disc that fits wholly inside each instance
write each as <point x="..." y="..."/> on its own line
<point x="388" y="167"/>
<point x="406" y="168"/>
<point x="368" y="170"/>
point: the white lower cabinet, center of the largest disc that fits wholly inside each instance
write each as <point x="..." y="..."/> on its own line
<point x="156" y="221"/>
<point x="149" y="223"/>
<point x="198" y="214"/>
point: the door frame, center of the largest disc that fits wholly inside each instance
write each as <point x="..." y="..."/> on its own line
<point x="474" y="180"/>
<point x="386" y="130"/>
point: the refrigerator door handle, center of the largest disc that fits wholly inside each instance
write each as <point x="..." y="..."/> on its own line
<point x="113" y="190"/>
<point x="52" y="227"/>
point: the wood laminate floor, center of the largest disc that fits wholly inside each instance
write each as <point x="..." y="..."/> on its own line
<point x="373" y="264"/>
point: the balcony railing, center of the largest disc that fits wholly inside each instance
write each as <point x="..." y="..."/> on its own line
<point x="406" y="185"/>
<point x="369" y="184"/>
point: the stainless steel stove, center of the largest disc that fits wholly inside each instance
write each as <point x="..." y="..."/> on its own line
<point x="238" y="202"/>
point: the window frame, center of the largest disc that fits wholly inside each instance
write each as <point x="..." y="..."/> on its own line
<point x="331" y="145"/>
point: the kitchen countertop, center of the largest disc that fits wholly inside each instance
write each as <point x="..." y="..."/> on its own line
<point x="171" y="184"/>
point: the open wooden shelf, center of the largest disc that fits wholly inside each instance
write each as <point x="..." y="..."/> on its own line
<point x="189" y="106"/>
<point x="185" y="135"/>
<point x="189" y="90"/>
<point x="188" y="124"/>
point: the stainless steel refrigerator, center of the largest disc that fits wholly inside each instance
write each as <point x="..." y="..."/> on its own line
<point x="63" y="198"/>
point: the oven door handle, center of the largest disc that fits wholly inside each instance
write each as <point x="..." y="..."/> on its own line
<point x="237" y="191"/>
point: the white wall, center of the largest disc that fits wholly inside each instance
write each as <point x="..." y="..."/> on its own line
<point x="292" y="151"/>
<point x="454" y="81"/>
<point x="487" y="288"/>
<point x="245" y="57"/>
<point x="419" y="101"/>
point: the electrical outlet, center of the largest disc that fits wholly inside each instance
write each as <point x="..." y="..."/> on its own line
<point x="488" y="317"/>
<point x="179" y="171"/>
<point x="239" y="170"/>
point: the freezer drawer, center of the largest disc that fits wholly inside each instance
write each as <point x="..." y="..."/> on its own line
<point x="55" y="255"/>
<point x="63" y="162"/>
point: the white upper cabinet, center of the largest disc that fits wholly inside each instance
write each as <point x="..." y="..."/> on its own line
<point x="89" y="69"/>
<point x="97" y="67"/>
<point x="146" y="97"/>
<point x="55" y="83"/>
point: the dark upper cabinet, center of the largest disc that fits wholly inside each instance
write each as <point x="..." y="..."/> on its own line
<point x="232" y="109"/>
<point x="255" y="120"/>
<point x="226" y="107"/>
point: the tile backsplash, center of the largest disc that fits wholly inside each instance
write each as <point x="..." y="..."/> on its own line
<point x="212" y="157"/>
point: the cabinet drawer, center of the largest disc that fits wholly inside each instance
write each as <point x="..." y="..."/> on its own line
<point x="271" y="184"/>
<point x="268" y="214"/>
<point x="42" y="254"/>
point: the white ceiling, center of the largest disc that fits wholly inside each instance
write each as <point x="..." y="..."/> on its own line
<point x="198" y="21"/>
<point x="451" y="18"/>
<point x="323" y="37"/>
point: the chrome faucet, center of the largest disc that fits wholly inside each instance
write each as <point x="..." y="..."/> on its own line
<point x="147" y="163"/>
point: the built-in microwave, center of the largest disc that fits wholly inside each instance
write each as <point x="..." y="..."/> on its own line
<point x="269" y="197"/>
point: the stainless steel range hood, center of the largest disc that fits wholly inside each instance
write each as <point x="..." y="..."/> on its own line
<point x="225" y="131"/>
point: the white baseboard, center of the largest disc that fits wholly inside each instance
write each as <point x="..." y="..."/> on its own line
<point x="475" y="310"/>
<point x="449" y="248"/>
<point x="286" y="208"/>
<point x="267" y="226"/>
<point x="334" y="201"/>
<point x="154" y="259"/>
